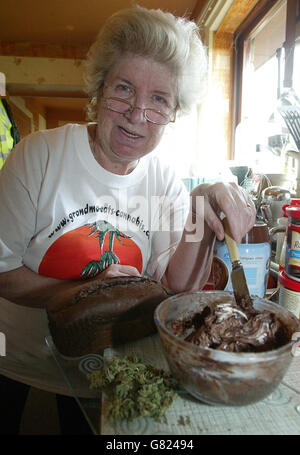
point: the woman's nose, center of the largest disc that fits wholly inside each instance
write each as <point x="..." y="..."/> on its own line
<point x="136" y="115"/>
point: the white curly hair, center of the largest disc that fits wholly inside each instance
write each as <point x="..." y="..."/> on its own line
<point x="174" y="41"/>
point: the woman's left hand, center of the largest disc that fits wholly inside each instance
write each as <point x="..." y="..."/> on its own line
<point x="231" y="200"/>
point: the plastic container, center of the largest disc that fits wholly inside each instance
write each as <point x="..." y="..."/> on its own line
<point x="219" y="377"/>
<point x="289" y="294"/>
<point x="255" y="253"/>
<point x="292" y="255"/>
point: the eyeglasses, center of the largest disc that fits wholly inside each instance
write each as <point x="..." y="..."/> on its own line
<point x="153" y="116"/>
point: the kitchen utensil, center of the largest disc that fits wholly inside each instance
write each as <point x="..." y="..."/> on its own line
<point x="291" y="116"/>
<point x="276" y="193"/>
<point x="273" y="199"/>
<point x="238" y="279"/>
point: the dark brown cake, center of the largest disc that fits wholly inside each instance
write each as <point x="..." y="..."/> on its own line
<point x="103" y="314"/>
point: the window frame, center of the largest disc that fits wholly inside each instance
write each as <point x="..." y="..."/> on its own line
<point x="241" y="35"/>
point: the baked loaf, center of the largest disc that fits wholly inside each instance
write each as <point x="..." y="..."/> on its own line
<point x="105" y="313"/>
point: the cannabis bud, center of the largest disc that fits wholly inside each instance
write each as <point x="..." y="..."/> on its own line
<point x="134" y="389"/>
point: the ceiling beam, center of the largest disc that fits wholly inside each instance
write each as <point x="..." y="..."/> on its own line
<point x="46" y="91"/>
<point x="39" y="76"/>
<point x="30" y="49"/>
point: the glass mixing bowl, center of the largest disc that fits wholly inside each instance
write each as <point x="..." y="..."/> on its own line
<point x="220" y="377"/>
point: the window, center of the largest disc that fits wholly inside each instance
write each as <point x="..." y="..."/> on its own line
<point x="264" y="44"/>
<point x="263" y="64"/>
<point x="296" y="68"/>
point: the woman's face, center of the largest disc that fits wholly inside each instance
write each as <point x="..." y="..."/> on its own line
<point x="145" y="83"/>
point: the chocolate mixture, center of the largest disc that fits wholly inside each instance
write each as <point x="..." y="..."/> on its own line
<point x="231" y="327"/>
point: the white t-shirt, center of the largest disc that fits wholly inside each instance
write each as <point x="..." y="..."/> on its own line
<point x="63" y="215"/>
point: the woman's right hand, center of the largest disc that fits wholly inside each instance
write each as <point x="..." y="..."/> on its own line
<point x="235" y="203"/>
<point x="25" y="287"/>
<point x="69" y="289"/>
<point x="117" y="270"/>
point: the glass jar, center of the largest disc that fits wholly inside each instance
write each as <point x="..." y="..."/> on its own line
<point x="294" y="202"/>
<point x="255" y="254"/>
<point x="292" y="256"/>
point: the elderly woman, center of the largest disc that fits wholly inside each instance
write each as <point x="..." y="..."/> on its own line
<point x="65" y="191"/>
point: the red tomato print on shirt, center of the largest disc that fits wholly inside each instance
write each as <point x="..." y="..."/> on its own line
<point x="88" y="250"/>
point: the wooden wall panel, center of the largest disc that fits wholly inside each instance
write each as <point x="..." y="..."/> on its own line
<point x="22" y="120"/>
<point x="56" y="117"/>
<point x="223" y="65"/>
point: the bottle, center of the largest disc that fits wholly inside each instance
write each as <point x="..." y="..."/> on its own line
<point x="292" y="255"/>
<point x="295" y="202"/>
<point x="255" y="253"/>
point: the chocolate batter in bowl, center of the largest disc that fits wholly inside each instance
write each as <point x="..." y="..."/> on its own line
<point x="220" y="273"/>
<point x="224" y="354"/>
